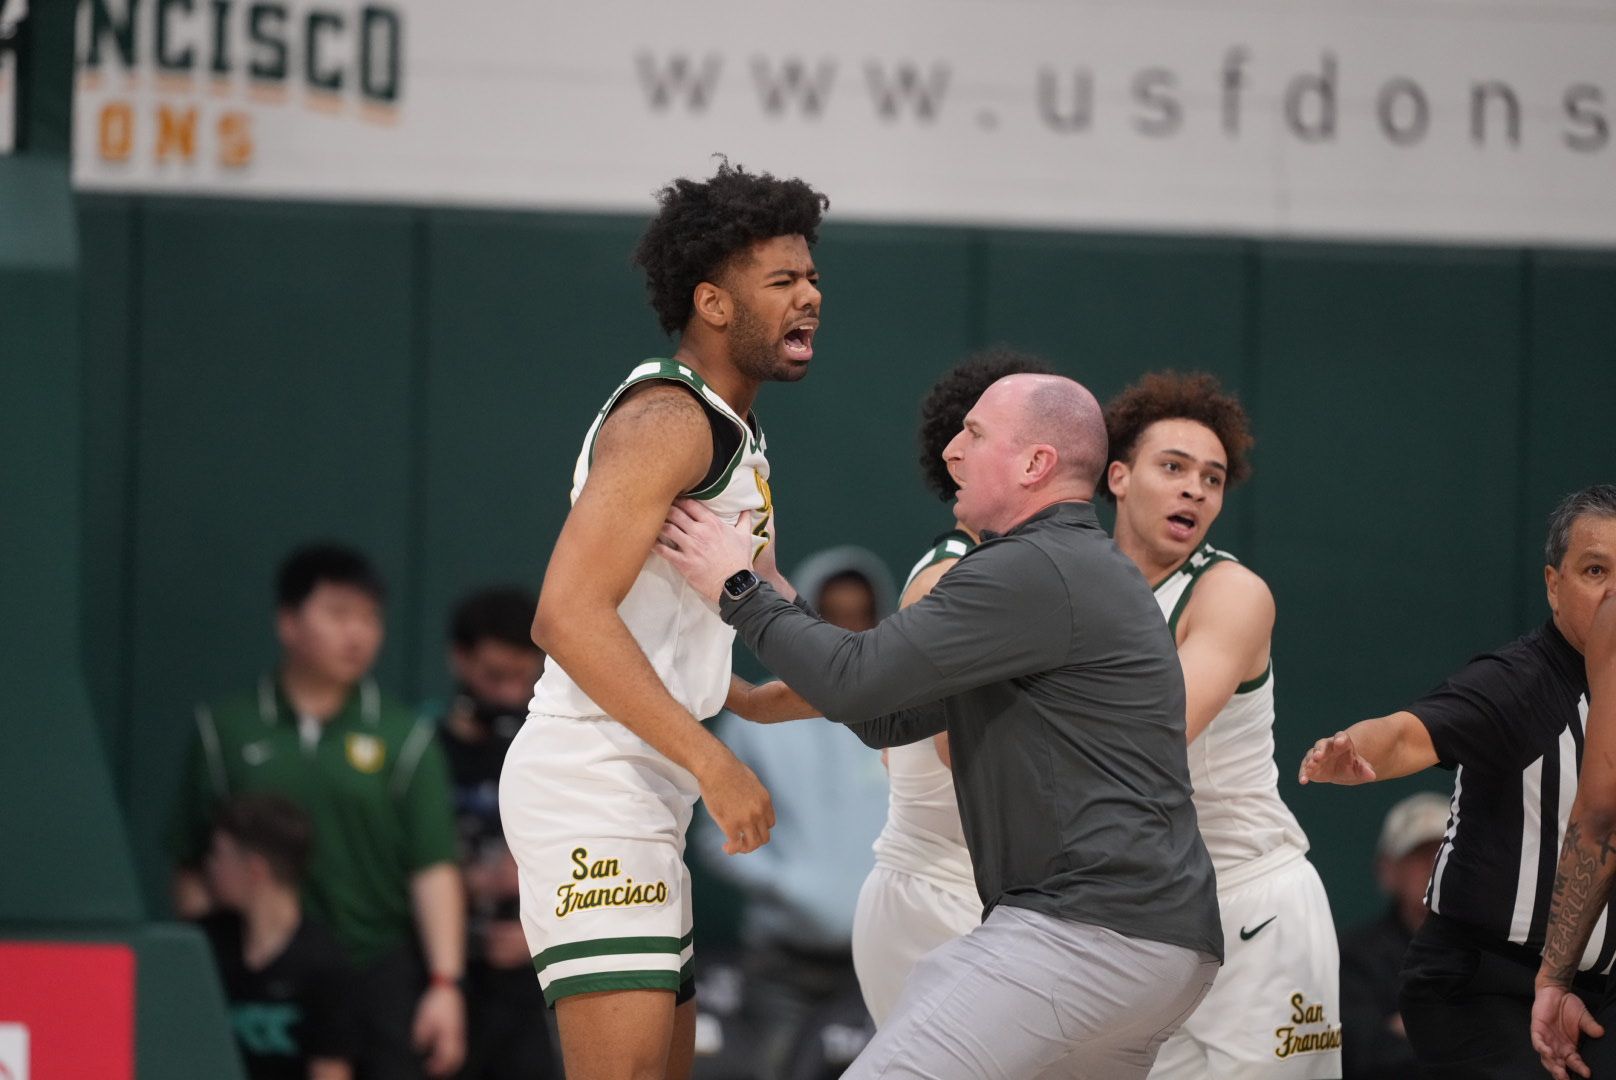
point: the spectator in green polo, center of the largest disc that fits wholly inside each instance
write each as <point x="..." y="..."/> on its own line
<point x="372" y="779"/>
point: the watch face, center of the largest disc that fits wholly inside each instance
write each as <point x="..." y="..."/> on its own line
<point x="739" y="584"/>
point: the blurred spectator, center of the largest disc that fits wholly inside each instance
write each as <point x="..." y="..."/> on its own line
<point x="495" y="664"/>
<point x="290" y="992"/>
<point x="372" y="779"/>
<point x="1374" y="1046"/>
<point x="830" y="801"/>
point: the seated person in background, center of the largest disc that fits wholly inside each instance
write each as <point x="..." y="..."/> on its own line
<point x="830" y="800"/>
<point x="289" y="990"/>
<point x="1375" y="1046"/>
<point x="495" y="664"/>
<point x="370" y="775"/>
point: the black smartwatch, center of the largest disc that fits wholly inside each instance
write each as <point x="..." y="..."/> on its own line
<point x="740" y="585"/>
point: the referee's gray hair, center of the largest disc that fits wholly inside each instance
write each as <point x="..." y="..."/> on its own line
<point x="1599" y="499"/>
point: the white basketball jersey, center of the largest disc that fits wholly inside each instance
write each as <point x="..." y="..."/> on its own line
<point x="923" y="835"/>
<point x="678" y="629"/>
<point x="1232" y="764"/>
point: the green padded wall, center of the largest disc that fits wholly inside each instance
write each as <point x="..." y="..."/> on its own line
<point x="520" y="349"/>
<point x="63" y="845"/>
<point x="68" y="871"/>
<point x="1386" y="502"/>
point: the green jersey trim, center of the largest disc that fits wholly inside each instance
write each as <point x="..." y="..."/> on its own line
<point x="617" y="946"/>
<point x="1213" y="557"/>
<point x="613" y="980"/>
<point x="1255" y="684"/>
<point x="953" y="544"/>
<point x="672" y="371"/>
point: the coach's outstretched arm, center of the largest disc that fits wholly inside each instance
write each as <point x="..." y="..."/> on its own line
<point x="1582" y="883"/>
<point x="604" y="543"/>
<point x="1380" y="749"/>
<point x="999" y="613"/>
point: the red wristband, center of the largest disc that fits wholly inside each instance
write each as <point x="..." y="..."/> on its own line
<point x="438" y="979"/>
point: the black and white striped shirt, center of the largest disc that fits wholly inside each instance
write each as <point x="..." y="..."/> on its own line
<point x="1511" y="724"/>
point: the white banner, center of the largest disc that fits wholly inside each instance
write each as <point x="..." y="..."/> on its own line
<point x="1448" y="120"/>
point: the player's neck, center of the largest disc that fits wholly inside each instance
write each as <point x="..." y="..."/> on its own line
<point x="312" y="694"/>
<point x="269" y="920"/>
<point x="1153" y="564"/>
<point x="738" y="391"/>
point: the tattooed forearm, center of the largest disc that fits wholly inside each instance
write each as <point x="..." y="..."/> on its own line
<point x="1581" y="886"/>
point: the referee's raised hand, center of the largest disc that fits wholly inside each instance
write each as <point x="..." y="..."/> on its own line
<point x="1334" y="760"/>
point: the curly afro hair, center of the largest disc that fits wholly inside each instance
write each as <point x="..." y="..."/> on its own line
<point x="705" y="223"/>
<point x="942" y="412"/>
<point x="1172" y="395"/>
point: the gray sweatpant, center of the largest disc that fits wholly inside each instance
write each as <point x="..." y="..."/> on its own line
<point x="1028" y="995"/>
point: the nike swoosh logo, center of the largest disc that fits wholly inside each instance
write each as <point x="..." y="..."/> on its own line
<point x="1247" y="935"/>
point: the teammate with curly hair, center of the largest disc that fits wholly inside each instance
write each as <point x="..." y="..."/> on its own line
<point x="1178" y="442"/>
<point x="599" y="784"/>
<point x="922" y="891"/>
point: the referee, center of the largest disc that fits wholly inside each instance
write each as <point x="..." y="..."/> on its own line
<point x="1510" y="725"/>
<point x="1045" y="657"/>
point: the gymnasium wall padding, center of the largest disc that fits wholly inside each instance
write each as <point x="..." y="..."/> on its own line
<point x="66" y="874"/>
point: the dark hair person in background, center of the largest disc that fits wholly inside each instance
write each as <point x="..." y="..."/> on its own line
<point x="495" y="664"/>
<point x="290" y="992"/>
<point x="371" y="777"/>
<point x="1510" y="723"/>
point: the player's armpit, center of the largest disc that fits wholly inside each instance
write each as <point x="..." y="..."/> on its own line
<point x="654" y="446"/>
<point x="1225" y="633"/>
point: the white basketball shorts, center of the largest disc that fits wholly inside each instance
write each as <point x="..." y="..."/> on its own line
<point x="596" y="820"/>
<point x="1275" y="1008"/>
<point x="899" y="919"/>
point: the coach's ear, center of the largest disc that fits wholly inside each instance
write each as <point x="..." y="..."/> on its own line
<point x="713" y="305"/>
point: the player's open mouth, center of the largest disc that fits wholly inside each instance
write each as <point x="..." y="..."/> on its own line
<point x="1181" y="526"/>
<point x="799" y="342"/>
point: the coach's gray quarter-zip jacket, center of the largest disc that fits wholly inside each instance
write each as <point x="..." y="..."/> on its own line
<point x="1044" y="656"/>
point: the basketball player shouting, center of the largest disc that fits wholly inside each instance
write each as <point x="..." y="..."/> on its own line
<point x="599" y="784"/>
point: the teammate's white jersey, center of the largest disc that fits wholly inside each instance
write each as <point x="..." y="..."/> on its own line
<point x="1232" y="764"/>
<point x="678" y="629"/>
<point x="923" y="835"/>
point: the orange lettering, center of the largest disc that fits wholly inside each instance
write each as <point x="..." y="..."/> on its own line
<point x="117" y="130"/>
<point x="176" y="133"/>
<point x="235" y="140"/>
